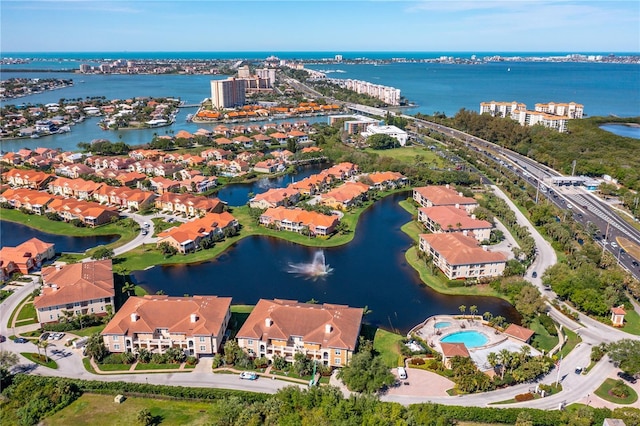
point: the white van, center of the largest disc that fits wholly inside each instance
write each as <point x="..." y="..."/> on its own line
<point x="402" y="373"/>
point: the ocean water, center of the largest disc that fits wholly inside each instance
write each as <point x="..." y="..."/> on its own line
<point x="603" y="88"/>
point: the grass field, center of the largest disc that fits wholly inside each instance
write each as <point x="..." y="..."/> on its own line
<point x="631" y="323"/>
<point x="101" y="410"/>
<point x="17" y="310"/>
<point x="88" y="331"/>
<point x="572" y="340"/>
<point x="605" y="388"/>
<point x="410" y="155"/>
<point x="150" y="366"/>
<point x="542" y="339"/>
<point x="388" y="345"/>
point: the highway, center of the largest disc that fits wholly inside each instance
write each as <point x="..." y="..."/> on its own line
<point x="583" y="205"/>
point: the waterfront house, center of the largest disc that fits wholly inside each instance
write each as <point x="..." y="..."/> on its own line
<point x="190" y="205"/>
<point x="24" y="257"/>
<point x="77" y="289"/>
<point x="89" y="213"/>
<point x="341" y="171"/>
<point x="199" y="183"/>
<point x="325" y="333"/>
<point x="454" y="219"/>
<point x="275" y="197"/>
<point x="27" y="178"/>
<point x="189" y="236"/>
<point x="387" y="180"/>
<point x="443" y="195"/>
<point x="73" y="171"/>
<point x="29" y="199"/>
<point x="196" y="325"/>
<point x="458" y="256"/>
<point x="345" y="195"/>
<point x="312" y="185"/>
<point x="268" y="166"/>
<point x="299" y="220"/>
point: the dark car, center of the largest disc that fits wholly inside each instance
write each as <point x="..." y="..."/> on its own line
<point x="534" y="274"/>
<point x="20" y="340"/>
<point x="2" y="338"/>
<point x="626" y="376"/>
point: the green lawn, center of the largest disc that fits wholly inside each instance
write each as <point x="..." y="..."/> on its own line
<point x="151" y="366"/>
<point x="101" y="410"/>
<point x="34" y="357"/>
<point x="88" y="331"/>
<point x="572" y="340"/>
<point x="387" y="344"/>
<point x="27" y="315"/>
<point x="542" y="339"/>
<point x="605" y="388"/>
<point x="114" y="367"/>
<point x="16" y="310"/>
<point x="631" y="323"/>
<point x="410" y="155"/>
<point x="239" y="314"/>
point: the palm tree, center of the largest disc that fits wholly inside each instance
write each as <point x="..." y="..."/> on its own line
<point x="44" y="344"/>
<point x="492" y="359"/>
<point x="474" y="310"/>
<point x="463" y="309"/>
<point x="128" y="288"/>
<point x="487" y="316"/>
<point x="505" y="360"/>
<point x="525" y="352"/>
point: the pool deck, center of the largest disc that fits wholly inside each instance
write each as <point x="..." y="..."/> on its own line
<point x="496" y="339"/>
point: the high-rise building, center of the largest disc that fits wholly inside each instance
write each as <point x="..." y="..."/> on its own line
<point x="227" y="93"/>
<point x="244" y="72"/>
<point x="268" y="74"/>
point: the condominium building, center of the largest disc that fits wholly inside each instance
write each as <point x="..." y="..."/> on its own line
<point x="459" y="256"/>
<point x="326" y="333"/>
<point x="227" y="93"/>
<point x="388" y="95"/>
<point x="267" y="74"/>
<point x="195" y="324"/>
<point x="451" y="219"/>
<point x="443" y="195"/>
<point x="80" y="289"/>
<point x="570" y="110"/>
<point x="500" y="109"/>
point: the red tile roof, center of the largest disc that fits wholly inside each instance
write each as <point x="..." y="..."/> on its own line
<point x="518" y="332"/>
<point x="76" y="282"/>
<point x="449" y="350"/>
<point x="459" y="249"/>
<point x="172" y="313"/>
<point x="309" y="321"/>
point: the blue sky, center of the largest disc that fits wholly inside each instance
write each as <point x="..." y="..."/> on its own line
<point x="340" y="26"/>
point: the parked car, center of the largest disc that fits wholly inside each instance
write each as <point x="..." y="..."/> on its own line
<point x="45" y="336"/>
<point x="626" y="376"/>
<point x="248" y="375"/>
<point x="2" y="338"/>
<point x="20" y="340"/>
<point x="534" y="274"/>
<point x="58" y="336"/>
<point x="402" y="373"/>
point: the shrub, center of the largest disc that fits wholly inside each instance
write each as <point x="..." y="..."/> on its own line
<point x="217" y="361"/>
<point x="524" y="397"/>
<point x="192" y="360"/>
<point x="620" y="389"/>
<point x="416" y="361"/>
<point x="112" y="359"/>
<point x="548" y="325"/>
<point x="261" y="362"/>
<point x="158" y="359"/>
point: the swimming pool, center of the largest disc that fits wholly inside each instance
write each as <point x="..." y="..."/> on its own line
<point x="441" y="324"/>
<point x="470" y="338"/>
